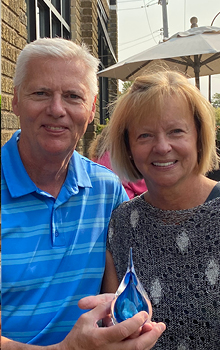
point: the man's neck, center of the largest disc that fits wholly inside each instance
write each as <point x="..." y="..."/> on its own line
<point x="49" y="178"/>
<point x="48" y="174"/>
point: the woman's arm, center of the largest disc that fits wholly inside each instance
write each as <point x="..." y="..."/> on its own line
<point x="110" y="280"/>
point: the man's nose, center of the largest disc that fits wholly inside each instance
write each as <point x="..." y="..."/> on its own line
<point x="56" y="107"/>
<point x="162" y="144"/>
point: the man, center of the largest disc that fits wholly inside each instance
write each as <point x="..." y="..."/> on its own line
<point x="56" y="206"/>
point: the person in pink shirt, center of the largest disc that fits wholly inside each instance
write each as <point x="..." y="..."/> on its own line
<point x="98" y="153"/>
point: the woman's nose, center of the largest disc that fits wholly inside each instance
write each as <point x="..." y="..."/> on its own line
<point x="162" y="145"/>
<point x="56" y="107"/>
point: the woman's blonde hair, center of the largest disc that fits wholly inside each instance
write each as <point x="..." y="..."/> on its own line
<point x="145" y="99"/>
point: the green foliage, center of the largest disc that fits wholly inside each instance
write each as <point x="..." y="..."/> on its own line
<point x="100" y="127"/>
<point x="126" y="86"/>
<point x="216" y="100"/>
<point x="217" y="116"/>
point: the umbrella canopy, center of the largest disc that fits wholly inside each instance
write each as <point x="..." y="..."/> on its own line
<point x="196" y="52"/>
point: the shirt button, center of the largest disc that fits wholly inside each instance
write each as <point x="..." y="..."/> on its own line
<point x="56" y="233"/>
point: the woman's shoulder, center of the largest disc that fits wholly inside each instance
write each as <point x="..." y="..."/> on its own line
<point x="127" y="207"/>
<point x="215" y="193"/>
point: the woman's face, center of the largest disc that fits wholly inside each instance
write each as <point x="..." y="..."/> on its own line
<point x="164" y="147"/>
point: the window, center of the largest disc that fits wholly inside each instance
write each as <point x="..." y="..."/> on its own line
<point x="42" y="21"/>
<point x="105" y="51"/>
<point x="56" y="27"/>
<point x="103" y="82"/>
<point x="56" y="4"/>
<point x="48" y="18"/>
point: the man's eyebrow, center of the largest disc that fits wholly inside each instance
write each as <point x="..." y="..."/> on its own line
<point x="72" y="91"/>
<point x="78" y="91"/>
<point x="42" y="88"/>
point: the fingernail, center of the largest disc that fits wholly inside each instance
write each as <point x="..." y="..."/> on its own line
<point x="162" y="326"/>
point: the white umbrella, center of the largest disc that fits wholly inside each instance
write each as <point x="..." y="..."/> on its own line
<point x="196" y="52"/>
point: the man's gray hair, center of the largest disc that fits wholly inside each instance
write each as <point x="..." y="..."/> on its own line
<point x="57" y="48"/>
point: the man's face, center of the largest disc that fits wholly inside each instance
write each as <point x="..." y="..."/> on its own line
<point x="55" y="107"/>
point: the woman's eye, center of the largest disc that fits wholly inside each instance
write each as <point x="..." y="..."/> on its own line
<point x="177" y="131"/>
<point x="144" y="136"/>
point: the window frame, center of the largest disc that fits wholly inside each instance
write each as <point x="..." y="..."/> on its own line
<point x="34" y="18"/>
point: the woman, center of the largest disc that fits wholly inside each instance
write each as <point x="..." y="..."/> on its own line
<point x="163" y="130"/>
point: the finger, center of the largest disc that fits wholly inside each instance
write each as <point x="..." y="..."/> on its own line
<point x="150" y="338"/>
<point x="94" y="300"/>
<point x="162" y="326"/>
<point x="147" y="340"/>
<point x="135" y="334"/>
<point x="147" y="326"/>
<point x="107" y="321"/>
<point x="98" y="313"/>
<point x="126" y="328"/>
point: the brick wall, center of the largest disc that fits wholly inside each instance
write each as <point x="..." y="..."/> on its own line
<point x="84" y="28"/>
<point x="13" y="39"/>
<point x="75" y="19"/>
<point x="89" y="35"/>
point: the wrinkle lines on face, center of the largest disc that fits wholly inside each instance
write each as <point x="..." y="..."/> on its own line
<point x="55" y="107"/>
<point x="164" y="149"/>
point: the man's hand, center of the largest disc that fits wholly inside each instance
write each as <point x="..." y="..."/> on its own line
<point x="86" y="335"/>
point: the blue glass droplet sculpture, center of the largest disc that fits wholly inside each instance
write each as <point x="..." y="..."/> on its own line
<point x="130" y="297"/>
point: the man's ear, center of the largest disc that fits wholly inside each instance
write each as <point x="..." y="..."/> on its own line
<point x="15" y="102"/>
<point x="92" y="115"/>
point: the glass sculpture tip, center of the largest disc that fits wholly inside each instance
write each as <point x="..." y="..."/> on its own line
<point x="130" y="259"/>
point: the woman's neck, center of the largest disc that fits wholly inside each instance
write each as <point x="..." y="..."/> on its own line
<point x="183" y="196"/>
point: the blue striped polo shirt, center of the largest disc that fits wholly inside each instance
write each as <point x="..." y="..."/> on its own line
<point x="53" y="250"/>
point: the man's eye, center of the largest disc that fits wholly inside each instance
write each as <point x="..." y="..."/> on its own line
<point x="39" y="93"/>
<point x="74" y="96"/>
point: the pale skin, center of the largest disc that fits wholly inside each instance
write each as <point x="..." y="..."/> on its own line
<point x="55" y="106"/>
<point x="164" y="150"/>
<point x="85" y="334"/>
<point x="54" y="112"/>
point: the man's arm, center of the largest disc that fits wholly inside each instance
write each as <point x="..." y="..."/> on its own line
<point x="8" y="344"/>
<point x="86" y="335"/>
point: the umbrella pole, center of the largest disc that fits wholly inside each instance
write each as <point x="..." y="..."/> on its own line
<point x="197" y="81"/>
<point x="210" y="97"/>
<point x="197" y="70"/>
